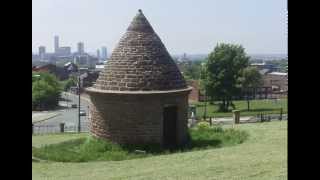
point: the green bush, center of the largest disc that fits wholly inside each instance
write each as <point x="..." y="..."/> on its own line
<point x="72" y="81"/>
<point x="203" y="125"/>
<point x="216" y="137"/>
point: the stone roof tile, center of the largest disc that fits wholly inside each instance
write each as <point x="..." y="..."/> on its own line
<point x="142" y="61"/>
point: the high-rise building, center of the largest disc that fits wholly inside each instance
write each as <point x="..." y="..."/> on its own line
<point x="42" y="52"/>
<point x="80" y="46"/>
<point x="98" y="54"/>
<point x="56" y="44"/>
<point x="104" y="53"/>
<point x="64" y="51"/>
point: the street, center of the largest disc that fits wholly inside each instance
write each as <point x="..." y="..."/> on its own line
<point x="66" y="115"/>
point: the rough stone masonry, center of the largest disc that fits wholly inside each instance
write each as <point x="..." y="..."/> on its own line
<point x="138" y="82"/>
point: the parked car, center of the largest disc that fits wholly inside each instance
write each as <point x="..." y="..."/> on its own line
<point x="82" y="113"/>
<point x="74" y="106"/>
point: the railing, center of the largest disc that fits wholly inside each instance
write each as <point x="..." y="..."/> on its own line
<point x="261" y="117"/>
<point x="58" y="128"/>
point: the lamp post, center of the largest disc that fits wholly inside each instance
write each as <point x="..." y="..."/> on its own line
<point x="79" y="125"/>
<point x="205" y="93"/>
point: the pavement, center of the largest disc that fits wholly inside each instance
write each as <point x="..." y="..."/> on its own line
<point x="42" y="116"/>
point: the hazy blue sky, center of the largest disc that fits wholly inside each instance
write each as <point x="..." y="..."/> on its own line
<point x="191" y="26"/>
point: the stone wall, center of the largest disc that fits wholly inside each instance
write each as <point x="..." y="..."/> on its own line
<point x="136" y="119"/>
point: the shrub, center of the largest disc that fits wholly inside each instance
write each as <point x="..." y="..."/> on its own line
<point x="72" y="81"/>
<point x="203" y="125"/>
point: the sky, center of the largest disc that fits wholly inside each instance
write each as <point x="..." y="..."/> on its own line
<point x="184" y="26"/>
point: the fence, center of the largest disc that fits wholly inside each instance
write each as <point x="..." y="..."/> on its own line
<point x="269" y="117"/>
<point x="58" y="128"/>
<point x="261" y="117"/>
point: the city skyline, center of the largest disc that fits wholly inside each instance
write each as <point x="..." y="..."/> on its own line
<point x="183" y="25"/>
<point x="80" y="47"/>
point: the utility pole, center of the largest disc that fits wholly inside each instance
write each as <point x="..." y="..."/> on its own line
<point x="79" y="125"/>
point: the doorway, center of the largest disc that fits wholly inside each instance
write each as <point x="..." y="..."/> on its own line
<point x="170" y="126"/>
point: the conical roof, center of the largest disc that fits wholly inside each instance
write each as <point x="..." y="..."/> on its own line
<point x="140" y="62"/>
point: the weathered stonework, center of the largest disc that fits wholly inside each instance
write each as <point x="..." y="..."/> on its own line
<point x="138" y="81"/>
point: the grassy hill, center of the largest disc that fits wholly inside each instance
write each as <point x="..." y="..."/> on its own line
<point x="262" y="156"/>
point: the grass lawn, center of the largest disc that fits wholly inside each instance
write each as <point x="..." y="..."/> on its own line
<point x="256" y="107"/>
<point x="93" y="149"/>
<point x="262" y="156"/>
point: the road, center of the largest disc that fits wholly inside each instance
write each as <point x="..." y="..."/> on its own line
<point x="67" y="115"/>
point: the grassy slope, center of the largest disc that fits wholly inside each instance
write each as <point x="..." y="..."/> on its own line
<point x="256" y="106"/>
<point x="263" y="156"/>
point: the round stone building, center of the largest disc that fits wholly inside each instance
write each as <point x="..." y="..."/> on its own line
<point x="140" y="97"/>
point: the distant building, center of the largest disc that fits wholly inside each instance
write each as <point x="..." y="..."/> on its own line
<point x="59" y="72"/>
<point x="64" y="51"/>
<point x="61" y="51"/>
<point x="104" y="53"/>
<point x="70" y="67"/>
<point x="277" y="80"/>
<point x="99" y="67"/>
<point x="89" y="78"/>
<point x="42" y="52"/>
<point x="81" y="59"/>
<point x="56" y="44"/>
<point x="98" y="54"/>
<point x="264" y="68"/>
<point x="183" y="58"/>
<point x="80" y="46"/>
<point x="85" y="61"/>
<point x="35" y="57"/>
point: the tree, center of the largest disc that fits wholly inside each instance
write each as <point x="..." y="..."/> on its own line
<point x="45" y="91"/>
<point x="251" y="79"/>
<point x="224" y="71"/>
<point x="72" y="81"/>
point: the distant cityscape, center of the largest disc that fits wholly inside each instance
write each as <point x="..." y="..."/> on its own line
<point x="81" y="57"/>
<point x="63" y="54"/>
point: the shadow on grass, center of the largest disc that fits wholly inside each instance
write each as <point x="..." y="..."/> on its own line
<point x="205" y="143"/>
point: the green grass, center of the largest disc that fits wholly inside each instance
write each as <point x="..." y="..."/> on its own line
<point x="263" y="156"/>
<point x="256" y="107"/>
<point x="92" y="149"/>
